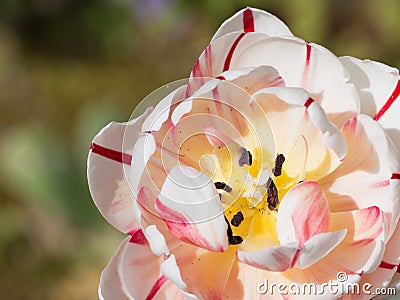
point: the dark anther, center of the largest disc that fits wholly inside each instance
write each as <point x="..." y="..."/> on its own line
<point x="301" y="181"/>
<point x="147" y="131"/>
<point x="277" y="170"/>
<point x="233" y="239"/>
<point x="245" y="158"/>
<point x="223" y="186"/>
<point x="237" y="219"/>
<point x="272" y="198"/>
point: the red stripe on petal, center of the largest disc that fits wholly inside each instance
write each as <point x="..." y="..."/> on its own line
<point x="381" y="184"/>
<point x="111" y="154"/>
<point x="220" y="77"/>
<point x="156" y="287"/>
<point x="389" y="102"/>
<point x="196" y="72"/>
<point x="295" y="258"/>
<point x="368" y="225"/>
<point x="312" y="213"/>
<point x="306" y="65"/>
<point x="137" y="237"/>
<point x="308" y="102"/>
<point x="208" y="57"/>
<point x="231" y="51"/>
<point x="183" y="228"/>
<point x="386" y="265"/>
<point x="395" y="176"/>
<point x="248" y="20"/>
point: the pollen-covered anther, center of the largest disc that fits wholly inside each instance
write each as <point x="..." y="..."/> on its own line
<point x="237" y="219"/>
<point x="223" y="186"/>
<point x="233" y="239"/>
<point x="272" y="197"/>
<point x="277" y="170"/>
<point x="245" y="158"/>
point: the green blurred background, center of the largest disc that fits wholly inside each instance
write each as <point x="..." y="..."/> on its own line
<point x="68" y="67"/>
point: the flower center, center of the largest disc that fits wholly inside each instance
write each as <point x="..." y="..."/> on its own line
<point x="252" y="211"/>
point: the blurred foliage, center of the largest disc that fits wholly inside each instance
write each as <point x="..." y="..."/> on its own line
<point x="68" y="67"/>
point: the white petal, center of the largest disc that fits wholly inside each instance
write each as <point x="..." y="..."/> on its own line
<point x="142" y="274"/>
<point x="112" y="286"/>
<point x="253" y="19"/>
<point x="380" y="278"/>
<point x="135" y="273"/>
<point x="379" y="89"/>
<point x="319" y="246"/>
<point x="156" y="240"/>
<point x="300" y="64"/>
<point x="171" y="270"/>
<point x="392" y="251"/>
<point x="107" y="181"/>
<point x="144" y="148"/>
<point x="243" y="275"/>
<point x="396" y="282"/>
<point x="276" y="258"/>
<point x="332" y="136"/>
<point x="204" y="272"/>
<point x="161" y="111"/>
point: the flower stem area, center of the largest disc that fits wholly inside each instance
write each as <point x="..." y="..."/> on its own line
<point x="67" y="67"/>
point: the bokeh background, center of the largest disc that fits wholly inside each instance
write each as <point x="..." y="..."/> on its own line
<point x="68" y="67"/>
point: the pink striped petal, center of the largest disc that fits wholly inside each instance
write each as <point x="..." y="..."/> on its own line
<point x="142" y="274"/>
<point x="363" y="248"/>
<point x="253" y="20"/>
<point x="140" y="270"/>
<point x="107" y="181"/>
<point x="388" y="273"/>
<point x="112" y="285"/>
<point x="276" y="258"/>
<point x="303" y="213"/>
<point x="248" y="78"/>
<point x="134" y="273"/>
<point x="211" y="62"/>
<point x="190" y="205"/>
<point x="364" y="177"/>
<point x="364" y="225"/>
